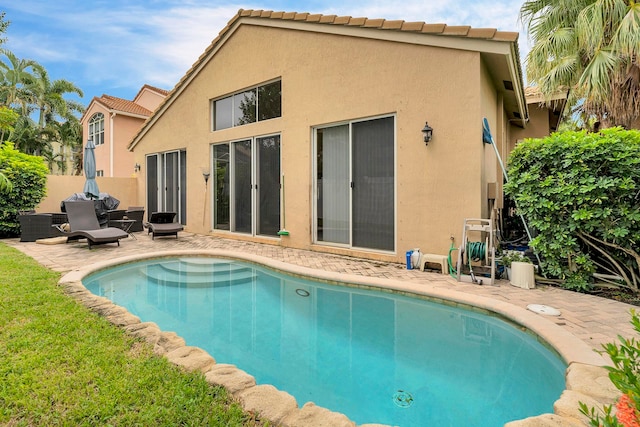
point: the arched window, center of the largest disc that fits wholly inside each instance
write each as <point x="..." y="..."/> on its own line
<point x="96" y="128"/>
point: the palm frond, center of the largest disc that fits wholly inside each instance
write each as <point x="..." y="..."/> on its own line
<point x="626" y="39"/>
<point x="597" y="75"/>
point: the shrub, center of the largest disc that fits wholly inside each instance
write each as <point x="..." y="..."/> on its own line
<point x="28" y="177"/>
<point x="625" y="375"/>
<point x="580" y="192"/>
<point x="509" y="257"/>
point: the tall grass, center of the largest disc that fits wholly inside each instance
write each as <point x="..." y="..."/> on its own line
<point x="61" y="364"/>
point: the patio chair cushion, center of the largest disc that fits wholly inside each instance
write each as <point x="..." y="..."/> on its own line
<point x="163" y="224"/>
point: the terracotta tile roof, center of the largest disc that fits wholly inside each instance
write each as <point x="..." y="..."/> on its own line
<point x="400" y="25"/>
<point x="162" y="92"/>
<point x="534" y="92"/>
<point x="122" y="105"/>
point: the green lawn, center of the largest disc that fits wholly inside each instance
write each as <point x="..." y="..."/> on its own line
<point x="61" y="364"/>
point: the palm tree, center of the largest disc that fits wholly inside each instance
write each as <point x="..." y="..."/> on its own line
<point x="48" y="97"/>
<point x="3" y="26"/>
<point x="69" y="135"/>
<point x="15" y="76"/>
<point x="591" y="47"/>
<point x="31" y="139"/>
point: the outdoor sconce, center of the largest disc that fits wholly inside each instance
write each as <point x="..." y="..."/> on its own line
<point x="427" y="133"/>
<point x="206" y="177"/>
<point x="137" y="168"/>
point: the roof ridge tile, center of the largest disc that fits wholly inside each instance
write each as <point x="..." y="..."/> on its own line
<point x="412" y="26"/>
<point x="393" y="25"/>
<point x="327" y="19"/>
<point x="373" y="23"/>
<point x="341" y="20"/>
<point x="357" y="22"/>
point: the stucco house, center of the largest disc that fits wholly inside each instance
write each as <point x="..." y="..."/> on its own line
<point x="306" y="131"/>
<point x="111" y="122"/>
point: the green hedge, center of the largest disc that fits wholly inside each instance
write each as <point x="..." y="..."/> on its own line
<point x="28" y="177"/>
<point x="580" y="192"/>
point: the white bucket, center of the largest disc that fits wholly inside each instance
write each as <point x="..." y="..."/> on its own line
<point x="522" y="275"/>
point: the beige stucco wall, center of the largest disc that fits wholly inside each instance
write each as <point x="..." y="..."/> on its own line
<point x="124" y="128"/>
<point x="328" y="79"/>
<point x="492" y="110"/>
<point x="59" y="187"/>
<point x="149" y="99"/>
<point x="538" y="126"/>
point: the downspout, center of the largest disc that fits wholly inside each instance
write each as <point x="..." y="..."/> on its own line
<point x="113" y="115"/>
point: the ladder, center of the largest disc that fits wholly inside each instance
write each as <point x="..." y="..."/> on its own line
<point x="478" y="270"/>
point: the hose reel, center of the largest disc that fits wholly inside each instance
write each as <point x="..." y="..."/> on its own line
<point x="476" y="258"/>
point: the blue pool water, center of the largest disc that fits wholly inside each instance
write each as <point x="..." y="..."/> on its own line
<point x="376" y="357"/>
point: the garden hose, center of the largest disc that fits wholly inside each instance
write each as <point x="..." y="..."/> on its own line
<point x="475" y="252"/>
<point x="452" y="270"/>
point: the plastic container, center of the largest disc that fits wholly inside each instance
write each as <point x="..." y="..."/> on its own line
<point x="408" y="255"/>
<point x="415" y="258"/>
<point x="522" y="275"/>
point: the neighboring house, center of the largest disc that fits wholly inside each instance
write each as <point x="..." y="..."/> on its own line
<point x="111" y="122"/>
<point x="62" y="160"/>
<point x="314" y="123"/>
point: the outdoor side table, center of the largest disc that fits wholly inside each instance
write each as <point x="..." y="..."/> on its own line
<point x="125" y="225"/>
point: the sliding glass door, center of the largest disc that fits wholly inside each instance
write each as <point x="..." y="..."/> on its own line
<point x="355" y="184"/>
<point x="247" y="186"/>
<point x="166" y="182"/>
<point x="242" y="186"/>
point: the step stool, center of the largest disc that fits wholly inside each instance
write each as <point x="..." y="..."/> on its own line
<point x="434" y="259"/>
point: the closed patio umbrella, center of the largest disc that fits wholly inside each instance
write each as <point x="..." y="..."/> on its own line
<point x="90" y="186"/>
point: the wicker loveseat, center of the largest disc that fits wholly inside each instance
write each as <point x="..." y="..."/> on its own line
<point x="34" y="226"/>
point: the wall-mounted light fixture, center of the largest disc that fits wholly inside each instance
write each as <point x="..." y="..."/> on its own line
<point x="137" y="167"/>
<point x="427" y="133"/>
<point x="206" y="176"/>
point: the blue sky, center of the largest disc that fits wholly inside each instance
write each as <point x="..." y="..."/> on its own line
<point x="114" y="47"/>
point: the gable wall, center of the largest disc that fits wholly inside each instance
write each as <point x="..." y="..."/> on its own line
<point x="124" y="128"/>
<point x="149" y="99"/>
<point x="328" y="79"/>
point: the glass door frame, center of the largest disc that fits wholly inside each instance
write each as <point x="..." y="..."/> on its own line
<point x="315" y="191"/>
<point x="255" y="191"/>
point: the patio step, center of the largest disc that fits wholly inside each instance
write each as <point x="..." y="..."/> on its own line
<point x="173" y="273"/>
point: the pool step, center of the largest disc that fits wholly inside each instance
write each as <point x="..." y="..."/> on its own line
<point x="173" y="273"/>
<point x="204" y="266"/>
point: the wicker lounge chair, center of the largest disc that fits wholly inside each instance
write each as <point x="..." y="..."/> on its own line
<point x="84" y="224"/>
<point x="136" y="213"/>
<point x="163" y="224"/>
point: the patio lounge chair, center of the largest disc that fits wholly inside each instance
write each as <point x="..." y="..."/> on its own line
<point x="136" y="213"/>
<point x="163" y="224"/>
<point x="83" y="224"/>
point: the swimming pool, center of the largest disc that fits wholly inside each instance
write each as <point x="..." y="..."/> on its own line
<point x="378" y="357"/>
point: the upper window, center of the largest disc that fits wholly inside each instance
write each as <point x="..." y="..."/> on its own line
<point x="253" y="105"/>
<point x="96" y="128"/>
